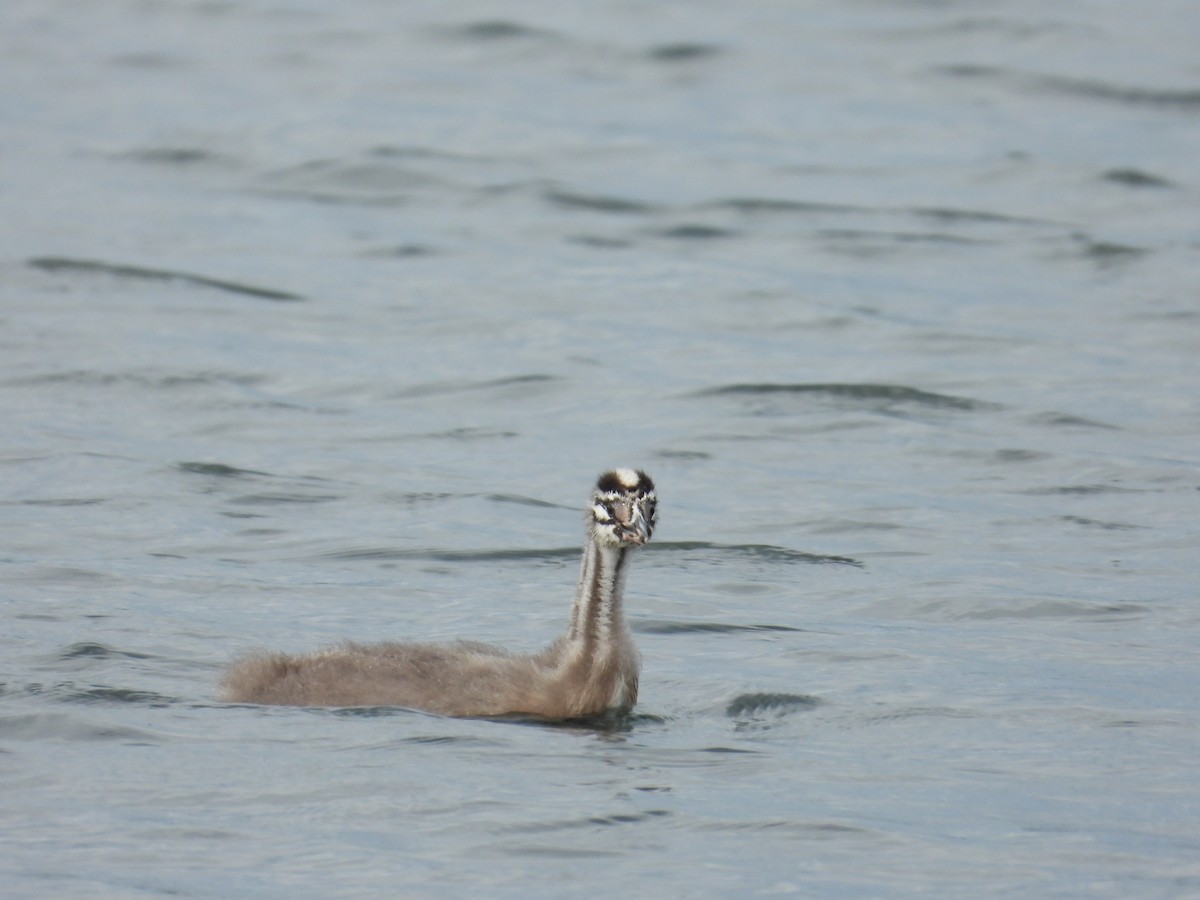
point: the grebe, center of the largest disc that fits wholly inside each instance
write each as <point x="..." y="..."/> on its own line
<point x="590" y="669"/>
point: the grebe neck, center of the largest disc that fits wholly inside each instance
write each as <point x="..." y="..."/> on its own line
<point x="598" y="616"/>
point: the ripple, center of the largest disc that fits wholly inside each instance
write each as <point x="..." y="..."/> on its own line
<point x="520" y="500"/>
<point x="57" y="501"/>
<point x="881" y="395"/>
<point x="1029" y="609"/>
<point x="402" y="251"/>
<point x="749" y="705"/>
<point x="668" y="626"/>
<point x="218" y="470"/>
<point x="120" y="270"/>
<point x="282" y="497"/>
<point x="418" y="498"/>
<point x="152" y="380"/>
<point x="461" y="556"/>
<point x="686" y="455"/>
<point x="601" y="241"/>
<point x="71" y="693"/>
<point x="1007" y="455"/>
<point x="445" y="739"/>
<point x="851" y="526"/>
<point x="876" y="236"/>
<point x="756" y="551"/>
<point x="1118" y="93"/>
<point x="775" y="205"/>
<point x="950" y="214"/>
<point x="1058" y="489"/>
<point x="1136" y="178"/>
<point x="92" y="650"/>
<point x="1102" y="253"/>
<point x="807" y="830"/>
<point x="696" y="232"/>
<point x="1067" y="420"/>
<point x="63" y="727"/>
<point x="489" y="30"/>
<point x="609" y="722"/>
<point x="1102" y="525"/>
<point x="682" y="52"/>
<point x="472" y="434"/>
<point x="375" y="180"/>
<point x="516" y="384"/>
<point x="369" y="712"/>
<point x="176" y="156"/>
<point x="918" y="712"/>
<point x="1078" y="87"/>
<point x="597" y="203"/>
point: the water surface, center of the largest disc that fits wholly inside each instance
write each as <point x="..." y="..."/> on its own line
<point x="318" y="324"/>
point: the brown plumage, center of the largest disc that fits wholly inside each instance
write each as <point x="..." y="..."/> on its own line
<point x="592" y="668"/>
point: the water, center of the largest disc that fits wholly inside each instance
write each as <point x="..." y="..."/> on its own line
<point x="318" y="322"/>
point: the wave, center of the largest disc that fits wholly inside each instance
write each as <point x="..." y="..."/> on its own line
<point x="885" y="394"/>
<point x="120" y="270"/>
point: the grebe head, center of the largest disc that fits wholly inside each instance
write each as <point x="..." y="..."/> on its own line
<point x="624" y="508"/>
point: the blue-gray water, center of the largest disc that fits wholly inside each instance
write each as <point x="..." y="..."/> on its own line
<point x="318" y="319"/>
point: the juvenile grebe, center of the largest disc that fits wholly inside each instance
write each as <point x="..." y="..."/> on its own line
<point x="592" y="668"/>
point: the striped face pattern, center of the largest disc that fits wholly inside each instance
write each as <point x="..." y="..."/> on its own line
<point x="624" y="508"/>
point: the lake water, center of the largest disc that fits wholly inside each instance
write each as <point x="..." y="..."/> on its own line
<point x="318" y="320"/>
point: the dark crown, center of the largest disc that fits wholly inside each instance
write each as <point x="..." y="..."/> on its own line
<point x="625" y="481"/>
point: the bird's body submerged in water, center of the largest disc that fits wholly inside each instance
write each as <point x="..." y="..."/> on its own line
<point x="589" y="670"/>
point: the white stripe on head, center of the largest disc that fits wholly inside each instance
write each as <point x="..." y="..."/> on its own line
<point x="627" y="477"/>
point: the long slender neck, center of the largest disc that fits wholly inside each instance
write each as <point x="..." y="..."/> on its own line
<point x="594" y="665"/>
<point x="598" y="619"/>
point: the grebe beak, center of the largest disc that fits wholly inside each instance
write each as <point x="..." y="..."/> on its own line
<point x="636" y="532"/>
